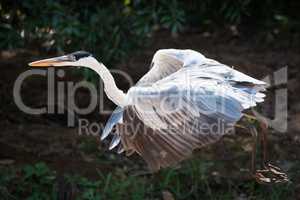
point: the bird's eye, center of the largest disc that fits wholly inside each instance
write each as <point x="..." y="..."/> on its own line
<point x="80" y="54"/>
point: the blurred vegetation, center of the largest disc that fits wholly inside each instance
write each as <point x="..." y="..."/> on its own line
<point x="112" y="29"/>
<point x="34" y="182"/>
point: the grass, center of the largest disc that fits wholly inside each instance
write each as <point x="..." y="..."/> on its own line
<point x="192" y="181"/>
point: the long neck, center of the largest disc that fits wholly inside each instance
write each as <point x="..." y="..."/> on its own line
<point x="112" y="91"/>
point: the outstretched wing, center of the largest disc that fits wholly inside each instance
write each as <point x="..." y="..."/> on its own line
<point x="166" y="147"/>
<point x="162" y="65"/>
<point x="177" y="104"/>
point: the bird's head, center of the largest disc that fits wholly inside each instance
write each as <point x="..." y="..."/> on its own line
<point x="78" y="58"/>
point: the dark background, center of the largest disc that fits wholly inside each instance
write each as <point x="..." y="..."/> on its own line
<point x="42" y="158"/>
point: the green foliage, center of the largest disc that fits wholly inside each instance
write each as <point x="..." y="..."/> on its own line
<point x="192" y="181"/>
<point x="109" y="30"/>
<point x="34" y="181"/>
<point x="113" y="29"/>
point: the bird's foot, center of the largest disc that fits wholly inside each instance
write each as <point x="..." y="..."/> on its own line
<point x="271" y="175"/>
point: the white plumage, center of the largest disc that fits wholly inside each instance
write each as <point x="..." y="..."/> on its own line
<point x="184" y="85"/>
<point x="162" y="117"/>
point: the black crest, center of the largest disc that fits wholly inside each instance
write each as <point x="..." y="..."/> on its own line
<point x="80" y="54"/>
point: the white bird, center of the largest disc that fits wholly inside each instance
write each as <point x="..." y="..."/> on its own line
<point x="186" y="101"/>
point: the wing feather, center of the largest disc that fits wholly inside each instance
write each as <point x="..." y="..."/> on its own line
<point x="116" y="117"/>
<point x="169" y="105"/>
<point x="163" y="147"/>
<point x="163" y="64"/>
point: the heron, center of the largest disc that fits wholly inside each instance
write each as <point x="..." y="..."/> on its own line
<point x="171" y="110"/>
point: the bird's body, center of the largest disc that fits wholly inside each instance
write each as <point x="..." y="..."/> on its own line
<point x="186" y="101"/>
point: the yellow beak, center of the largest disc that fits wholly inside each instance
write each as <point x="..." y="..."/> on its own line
<point x="57" y="61"/>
